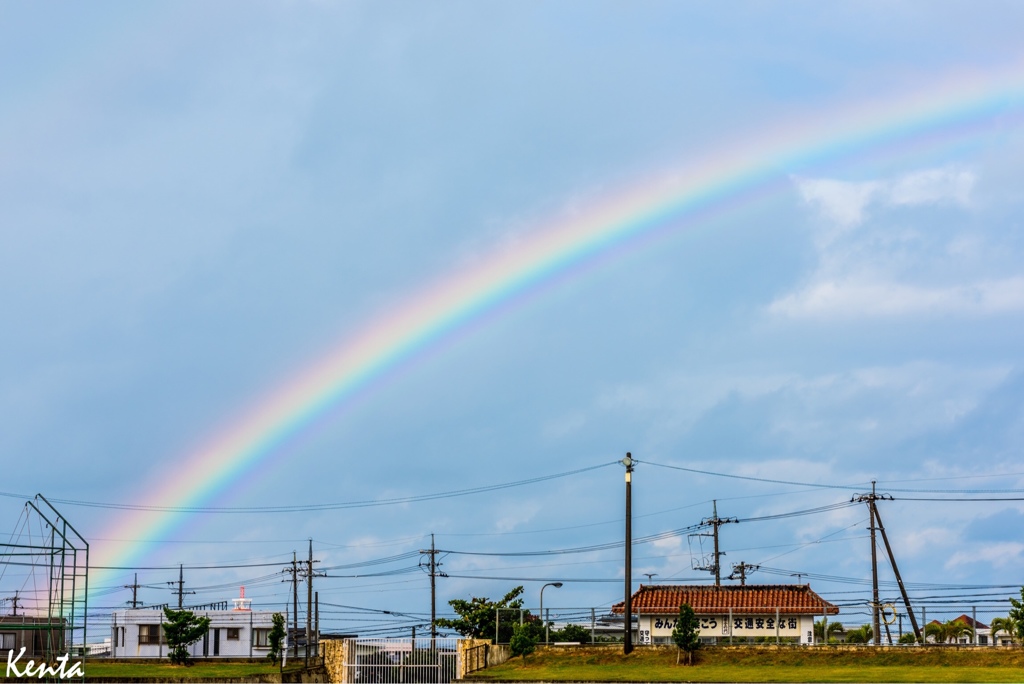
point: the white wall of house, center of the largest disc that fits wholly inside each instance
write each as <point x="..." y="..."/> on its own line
<point x="138" y="633"/>
<point x="657" y="629"/>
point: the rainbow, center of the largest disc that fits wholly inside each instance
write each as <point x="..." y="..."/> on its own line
<point x="957" y="106"/>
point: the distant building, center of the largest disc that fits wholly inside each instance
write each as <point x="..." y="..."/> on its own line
<point x="239" y="632"/>
<point x="982" y="633"/>
<point x="785" y="613"/>
<point x="41" y="637"/>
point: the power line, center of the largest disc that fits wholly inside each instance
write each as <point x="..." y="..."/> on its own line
<point x="296" y="508"/>
<point x="855" y="486"/>
<point x="755" y="479"/>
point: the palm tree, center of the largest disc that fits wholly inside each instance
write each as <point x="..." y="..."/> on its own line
<point x="957" y="629"/>
<point x="936" y="630"/>
<point x="824" y="630"/>
<point x="949" y="631"/>
<point x="1004" y="624"/>
<point x="860" y="635"/>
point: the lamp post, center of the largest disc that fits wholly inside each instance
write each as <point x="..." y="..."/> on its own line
<point x="556" y="585"/>
<point x="627" y="641"/>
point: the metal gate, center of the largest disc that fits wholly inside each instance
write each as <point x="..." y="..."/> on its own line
<point x="424" y="661"/>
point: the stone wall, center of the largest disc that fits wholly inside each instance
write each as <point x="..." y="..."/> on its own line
<point x="335" y="654"/>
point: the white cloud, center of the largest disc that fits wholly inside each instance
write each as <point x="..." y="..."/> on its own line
<point x="844" y="203"/>
<point x="933" y="186"/>
<point x="923" y="540"/>
<point x="839" y="202"/>
<point x="998" y="555"/>
<point x="524" y="512"/>
<point x="887" y="265"/>
<point x="855" y="298"/>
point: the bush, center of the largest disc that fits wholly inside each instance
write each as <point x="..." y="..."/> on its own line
<point x="521" y="643"/>
<point x="572" y="633"/>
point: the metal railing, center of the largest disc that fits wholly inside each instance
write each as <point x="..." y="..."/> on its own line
<point x="398" y="661"/>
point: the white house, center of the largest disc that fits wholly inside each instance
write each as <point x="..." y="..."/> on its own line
<point x="239" y="632"/>
<point x="980" y="635"/>
<point x="766" y="612"/>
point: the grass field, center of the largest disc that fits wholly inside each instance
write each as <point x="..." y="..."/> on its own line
<point x="744" y="664"/>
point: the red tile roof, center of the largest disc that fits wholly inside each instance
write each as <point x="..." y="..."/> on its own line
<point x="791" y="599"/>
<point x="966" y="619"/>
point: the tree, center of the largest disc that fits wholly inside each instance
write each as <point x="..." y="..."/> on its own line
<point x="183" y="629"/>
<point x="1017" y="615"/>
<point x="937" y="631"/>
<point x="956" y="629"/>
<point x="275" y="637"/>
<point x="1004" y="624"/>
<point x="949" y="631"/>
<point x="860" y="635"/>
<point x="686" y="635"/>
<point x="521" y="643"/>
<point x="825" y="631"/>
<point x="908" y="638"/>
<point x="572" y="633"/>
<point x="477" y="616"/>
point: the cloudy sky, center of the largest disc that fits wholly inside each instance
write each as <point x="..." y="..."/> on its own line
<point x="201" y="203"/>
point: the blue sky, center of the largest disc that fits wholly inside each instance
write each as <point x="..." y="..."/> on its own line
<point x="197" y="202"/>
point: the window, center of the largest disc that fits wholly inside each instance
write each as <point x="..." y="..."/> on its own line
<point x="7" y="641"/>
<point x="262" y="638"/>
<point x="151" y="634"/>
<point x="233" y="633"/>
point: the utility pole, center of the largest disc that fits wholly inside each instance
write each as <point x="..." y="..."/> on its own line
<point x="14" y="604"/>
<point x="309" y="599"/>
<point x="627" y="643"/>
<point x="740" y="570"/>
<point x="293" y="641"/>
<point x="134" y="603"/>
<point x="714" y="522"/>
<point x="876" y="522"/>
<point x="181" y="586"/>
<point x="432" y="566"/>
<point x="295" y="602"/>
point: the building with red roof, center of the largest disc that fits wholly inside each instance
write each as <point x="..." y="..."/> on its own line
<point x="781" y="612"/>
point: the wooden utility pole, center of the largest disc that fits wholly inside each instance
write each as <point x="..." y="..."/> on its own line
<point x="14" y="604"/>
<point x="134" y="603"/>
<point x="432" y="571"/>
<point x="876" y="524"/>
<point x="181" y="586"/>
<point x="899" y="579"/>
<point x="433" y="589"/>
<point x="714" y="522"/>
<point x="740" y="570"/>
<point x="876" y="626"/>
<point x="627" y="614"/>
<point x="295" y="602"/>
<point x="309" y="599"/>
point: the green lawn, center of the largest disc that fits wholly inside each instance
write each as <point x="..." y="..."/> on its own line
<point x="765" y="665"/>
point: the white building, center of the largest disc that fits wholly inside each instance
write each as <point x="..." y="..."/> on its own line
<point x="239" y="632"/>
<point x="783" y="613"/>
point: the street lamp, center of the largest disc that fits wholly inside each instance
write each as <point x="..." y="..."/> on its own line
<point x="556" y="585"/>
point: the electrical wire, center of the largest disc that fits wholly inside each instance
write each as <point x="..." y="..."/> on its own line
<point x="299" y="508"/>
